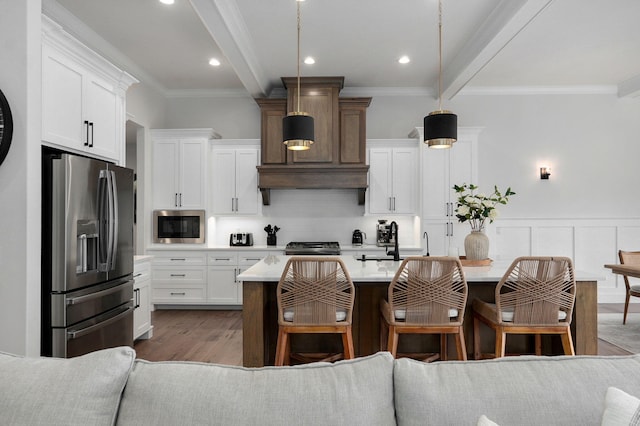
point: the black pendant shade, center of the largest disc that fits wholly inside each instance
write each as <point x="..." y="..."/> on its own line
<point x="440" y="126"/>
<point x="440" y="129"/>
<point x="297" y="131"/>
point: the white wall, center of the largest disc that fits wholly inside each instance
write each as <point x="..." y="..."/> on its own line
<point x="233" y="118"/>
<point x="20" y="180"/>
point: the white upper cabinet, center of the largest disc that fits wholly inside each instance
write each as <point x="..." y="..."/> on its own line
<point x="180" y="168"/>
<point x="393" y="174"/>
<point x="234" y="177"/>
<point x="83" y="97"/>
<point x="441" y="170"/>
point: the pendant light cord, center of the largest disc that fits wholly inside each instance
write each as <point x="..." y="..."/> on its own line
<point x="298" y="63"/>
<point x="440" y="55"/>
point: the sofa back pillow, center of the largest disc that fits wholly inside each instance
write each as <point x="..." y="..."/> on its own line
<point x="522" y="391"/>
<point x="354" y="392"/>
<point x="85" y="390"/>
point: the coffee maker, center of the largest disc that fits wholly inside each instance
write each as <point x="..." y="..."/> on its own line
<point x="357" y="239"/>
<point x="383" y="234"/>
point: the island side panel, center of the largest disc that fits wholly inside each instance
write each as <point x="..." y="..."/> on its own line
<point x="366" y="317"/>
<point x="584" y="326"/>
<point x="254" y="347"/>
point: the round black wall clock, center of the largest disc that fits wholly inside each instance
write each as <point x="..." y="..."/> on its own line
<point x="6" y="127"/>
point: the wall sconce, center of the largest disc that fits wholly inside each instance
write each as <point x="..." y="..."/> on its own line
<point x="545" y="172"/>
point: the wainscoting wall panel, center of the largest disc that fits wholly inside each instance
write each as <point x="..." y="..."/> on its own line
<point x="591" y="243"/>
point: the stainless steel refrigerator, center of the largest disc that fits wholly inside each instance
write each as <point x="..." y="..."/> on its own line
<point x="87" y="255"/>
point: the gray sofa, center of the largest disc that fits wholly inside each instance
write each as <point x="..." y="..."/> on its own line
<point x="112" y="387"/>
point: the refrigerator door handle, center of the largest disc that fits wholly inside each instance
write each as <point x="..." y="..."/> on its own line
<point x="103" y="221"/>
<point x="93" y="296"/>
<point x="114" y="219"/>
<point x="108" y="217"/>
<point x="79" y="333"/>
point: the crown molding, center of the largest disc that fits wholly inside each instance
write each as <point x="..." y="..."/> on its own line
<point x="200" y="133"/>
<point x="78" y="29"/>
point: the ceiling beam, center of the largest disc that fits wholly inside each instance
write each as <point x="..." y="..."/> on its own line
<point x="224" y="22"/>
<point x="629" y="88"/>
<point x="507" y="20"/>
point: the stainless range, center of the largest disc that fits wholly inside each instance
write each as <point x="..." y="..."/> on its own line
<point x="312" y="248"/>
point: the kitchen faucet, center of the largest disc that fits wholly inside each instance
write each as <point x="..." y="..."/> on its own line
<point x="425" y="235"/>
<point x="393" y="233"/>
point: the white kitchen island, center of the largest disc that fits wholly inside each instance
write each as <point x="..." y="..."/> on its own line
<point x="371" y="279"/>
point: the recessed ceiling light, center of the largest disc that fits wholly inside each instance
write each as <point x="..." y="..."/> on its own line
<point x="214" y="62"/>
<point x="167" y="1"/>
<point x="404" y="59"/>
<point x="309" y="60"/>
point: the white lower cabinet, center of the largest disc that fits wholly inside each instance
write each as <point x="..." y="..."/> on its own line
<point x="179" y="277"/>
<point x="224" y="288"/>
<point x="142" y="328"/>
<point x="201" y="277"/>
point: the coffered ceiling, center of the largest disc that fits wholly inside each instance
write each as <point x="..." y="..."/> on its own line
<point x="545" y="46"/>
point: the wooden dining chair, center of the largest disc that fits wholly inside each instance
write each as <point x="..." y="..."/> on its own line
<point x="314" y="295"/>
<point x="427" y="295"/>
<point x="535" y="296"/>
<point x="629" y="258"/>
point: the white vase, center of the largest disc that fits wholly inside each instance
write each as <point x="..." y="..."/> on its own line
<point x="476" y="246"/>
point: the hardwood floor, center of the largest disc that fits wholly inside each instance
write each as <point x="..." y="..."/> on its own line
<point x="216" y="336"/>
<point x="194" y="335"/>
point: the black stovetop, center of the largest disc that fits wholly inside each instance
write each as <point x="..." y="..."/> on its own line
<point x="313" y="247"/>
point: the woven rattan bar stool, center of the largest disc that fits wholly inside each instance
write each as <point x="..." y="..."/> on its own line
<point x="535" y="296"/>
<point x="629" y="258"/>
<point x="314" y="295"/>
<point x="427" y="296"/>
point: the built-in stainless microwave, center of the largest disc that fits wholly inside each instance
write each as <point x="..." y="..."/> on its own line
<point x="178" y="226"/>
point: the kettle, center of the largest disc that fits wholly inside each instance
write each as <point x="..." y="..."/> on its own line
<point x="358" y="237"/>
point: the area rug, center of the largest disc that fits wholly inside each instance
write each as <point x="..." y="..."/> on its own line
<point x="610" y="329"/>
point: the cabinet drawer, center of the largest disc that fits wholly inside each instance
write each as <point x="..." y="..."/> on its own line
<point x="183" y="275"/>
<point x="180" y="258"/>
<point x="222" y="258"/>
<point x="251" y="258"/>
<point x="141" y="271"/>
<point x="179" y="294"/>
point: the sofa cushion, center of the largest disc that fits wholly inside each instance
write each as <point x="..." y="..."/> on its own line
<point x="525" y="390"/>
<point x="84" y="390"/>
<point x="621" y="409"/>
<point x="353" y="392"/>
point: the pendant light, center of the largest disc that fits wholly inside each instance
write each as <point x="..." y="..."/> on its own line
<point x="297" y="126"/>
<point x="441" y="126"/>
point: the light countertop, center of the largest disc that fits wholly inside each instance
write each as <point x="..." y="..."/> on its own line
<point x="348" y="248"/>
<point x="206" y="247"/>
<point x="270" y="269"/>
<point x="142" y="258"/>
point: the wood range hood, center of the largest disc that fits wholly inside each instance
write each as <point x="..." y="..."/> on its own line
<point x="337" y="159"/>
